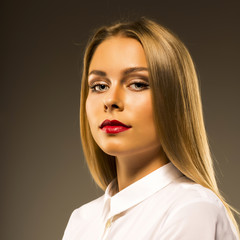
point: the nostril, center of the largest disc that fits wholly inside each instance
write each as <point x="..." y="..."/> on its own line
<point x="115" y="106"/>
<point x="112" y="106"/>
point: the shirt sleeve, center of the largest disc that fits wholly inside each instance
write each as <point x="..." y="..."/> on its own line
<point x="198" y="221"/>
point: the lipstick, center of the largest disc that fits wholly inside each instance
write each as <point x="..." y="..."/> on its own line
<point x="113" y="126"/>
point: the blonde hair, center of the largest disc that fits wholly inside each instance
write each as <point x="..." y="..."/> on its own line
<point x="176" y="102"/>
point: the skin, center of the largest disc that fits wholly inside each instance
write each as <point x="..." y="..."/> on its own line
<point x="127" y="98"/>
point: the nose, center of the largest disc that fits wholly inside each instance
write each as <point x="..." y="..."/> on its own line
<point x="114" y="100"/>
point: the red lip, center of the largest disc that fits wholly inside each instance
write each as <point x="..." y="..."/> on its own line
<point x="113" y="126"/>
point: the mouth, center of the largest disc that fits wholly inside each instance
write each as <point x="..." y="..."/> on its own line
<point x="113" y="126"/>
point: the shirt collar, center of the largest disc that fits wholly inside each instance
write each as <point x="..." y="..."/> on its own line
<point x="139" y="190"/>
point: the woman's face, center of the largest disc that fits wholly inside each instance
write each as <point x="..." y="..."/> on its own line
<point x="119" y="104"/>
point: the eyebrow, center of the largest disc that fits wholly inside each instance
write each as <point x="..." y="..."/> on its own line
<point x="125" y="72"/>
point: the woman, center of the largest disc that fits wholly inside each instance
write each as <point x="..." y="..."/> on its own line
<point x="145" y="143"/>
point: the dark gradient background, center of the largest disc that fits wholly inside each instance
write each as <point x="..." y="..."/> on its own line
<point x="43" y="173"/>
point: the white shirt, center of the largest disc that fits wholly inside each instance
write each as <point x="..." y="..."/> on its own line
<point x="163" y="205"/>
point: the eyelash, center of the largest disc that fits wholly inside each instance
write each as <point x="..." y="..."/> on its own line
<point x="143" y="86"/>
<point x="93" y="88"/>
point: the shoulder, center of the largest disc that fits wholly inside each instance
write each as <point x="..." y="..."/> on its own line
<point x="82" y="216"/>
<point x="194" y="199"/>
<point x="88" y="210"/>
<point x="190" y="192"/>
<point x="196" y="211"/>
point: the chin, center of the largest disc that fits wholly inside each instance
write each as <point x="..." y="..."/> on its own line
<point x="114" y="149"/>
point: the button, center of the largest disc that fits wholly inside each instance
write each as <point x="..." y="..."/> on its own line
<point x="108" y="223"/>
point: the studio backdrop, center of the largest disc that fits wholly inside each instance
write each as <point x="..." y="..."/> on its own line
<point x="44" y="175"/>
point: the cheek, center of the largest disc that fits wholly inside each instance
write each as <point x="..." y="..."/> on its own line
<point x="94" y="114"/>
<point x="87" y="109"/>
<point x="145" y="118"/>
<point x="90" y="110"/>
<point x="142" y="109"/>
<point x="91" y="116"/>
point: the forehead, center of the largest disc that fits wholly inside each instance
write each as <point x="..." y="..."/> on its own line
<point x="118" y="53"/>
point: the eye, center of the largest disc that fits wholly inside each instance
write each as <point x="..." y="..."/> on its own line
<point x="138" y="86"/>
<point x="99" y="88"/>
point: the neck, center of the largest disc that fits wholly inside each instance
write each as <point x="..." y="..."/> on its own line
<point x="134" y="167"/>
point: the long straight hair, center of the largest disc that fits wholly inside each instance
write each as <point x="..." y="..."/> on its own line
<point x="176" y="103"/>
